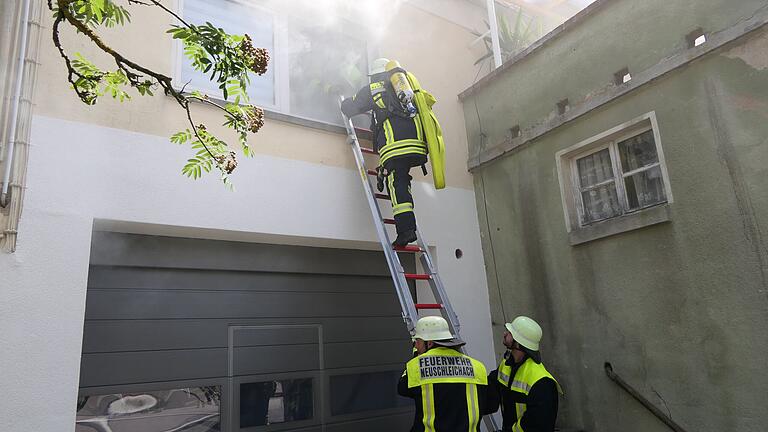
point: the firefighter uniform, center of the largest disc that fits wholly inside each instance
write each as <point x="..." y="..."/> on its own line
<point x="399" y="140"/>
<point x="450" y="390"/>
<point x="526" y="391"/>
<point x="528" y="395"/>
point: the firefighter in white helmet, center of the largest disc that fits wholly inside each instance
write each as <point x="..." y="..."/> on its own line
<point x="449" y="388"/>
<point x="527" y="392"/>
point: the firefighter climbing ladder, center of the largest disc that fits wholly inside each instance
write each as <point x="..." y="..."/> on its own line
<point x="399" y="276"/>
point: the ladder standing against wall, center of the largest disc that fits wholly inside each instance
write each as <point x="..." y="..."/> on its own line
<point x="399" y="276"/>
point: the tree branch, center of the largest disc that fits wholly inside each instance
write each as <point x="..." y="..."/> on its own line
<point x="164" y="81"/>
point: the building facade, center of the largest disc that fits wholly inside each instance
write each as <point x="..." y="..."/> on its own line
<point x="620" y="171"/>
<point x="132" y="287"/>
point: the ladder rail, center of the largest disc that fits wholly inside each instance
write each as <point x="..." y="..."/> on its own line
<point x="409" y="312"/>
<point x="437" y="287"/>
<point x="410" y="315"/>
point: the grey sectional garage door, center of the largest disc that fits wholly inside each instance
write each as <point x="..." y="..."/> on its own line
<point x="203" y="335"/>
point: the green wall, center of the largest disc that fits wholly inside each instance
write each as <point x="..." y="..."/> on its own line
<point x="681" y="308"/>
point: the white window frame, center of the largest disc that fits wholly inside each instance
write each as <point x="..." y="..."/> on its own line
<point x="279" y="58"/>
<point x="570" y="184"/>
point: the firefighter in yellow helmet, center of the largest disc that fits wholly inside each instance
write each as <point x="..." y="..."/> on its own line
<point x="449" y="388"/>
<point x="527" y="392"/>
<point x="398" y="136"/>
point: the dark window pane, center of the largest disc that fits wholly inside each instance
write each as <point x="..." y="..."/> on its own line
<point x="595" y="168"/>
<point x="270" y="402"/>
<point x="323" y="65"/>
<point x="638" y="151"/>
<point x="601" y="203"/>
<point x="645" y="188"/>
<point x="239" y="19"/>
<point x="366" y="392"/>
<point x="190" y="409"/>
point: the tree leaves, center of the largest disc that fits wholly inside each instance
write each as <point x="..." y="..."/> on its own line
<point x="227" y="59"/>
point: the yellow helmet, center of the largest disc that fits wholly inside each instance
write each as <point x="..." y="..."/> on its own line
<point x="378" y="66"/>
<point x="432" y="328"/>
<point x="526" y="332"/>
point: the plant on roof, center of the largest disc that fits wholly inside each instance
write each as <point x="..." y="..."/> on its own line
<point x="514" y="37"/>
<point x="228" y="59"/>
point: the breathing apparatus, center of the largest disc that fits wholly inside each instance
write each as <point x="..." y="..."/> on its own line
<point x="403" y="90"/>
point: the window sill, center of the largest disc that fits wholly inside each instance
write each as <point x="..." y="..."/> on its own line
<point x="644" y="218"/>
<point x="314" y="124"/>
<point x="362" y="134"/>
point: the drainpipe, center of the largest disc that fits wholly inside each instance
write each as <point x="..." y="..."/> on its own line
<point x="15" y="106"/>
<point x="491" y="6"/>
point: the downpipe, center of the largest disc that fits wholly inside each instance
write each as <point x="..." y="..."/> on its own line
<point x="15" y="107"/>
<point x="642" y="399"/>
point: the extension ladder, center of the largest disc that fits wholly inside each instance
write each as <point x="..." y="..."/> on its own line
<point x="399" y="276"/>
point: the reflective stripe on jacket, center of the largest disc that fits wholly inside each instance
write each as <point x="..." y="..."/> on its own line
<point x="449" y="388"/>
<point x="528" y="374"/>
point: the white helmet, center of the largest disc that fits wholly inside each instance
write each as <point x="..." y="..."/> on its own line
<point x="526" y="332"/>
<point x="378" y="66"/>
<point x="432" y="328"/>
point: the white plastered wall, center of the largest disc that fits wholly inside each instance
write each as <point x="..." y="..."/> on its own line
<point x="106" y="174"/>
<point x="113" y="162"/>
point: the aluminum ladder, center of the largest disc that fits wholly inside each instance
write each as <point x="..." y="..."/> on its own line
<point x="410" y="309"/>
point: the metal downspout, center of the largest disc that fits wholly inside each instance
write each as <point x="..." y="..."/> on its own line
<point x="666" y="419"/>
<point x="15" y="106"/>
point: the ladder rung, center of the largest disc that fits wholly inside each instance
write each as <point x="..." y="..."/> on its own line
<point x="383" y="196"/>
<point x="372" y="173"/>
<point x="389" y="221"/>
<point x="428" y="306"/>
<point x="408" y="249"/>
<point x="417" y="276"/>
<point x="368" y="150"/>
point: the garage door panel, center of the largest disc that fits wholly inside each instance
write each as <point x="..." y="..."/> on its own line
<point x="131" y="304"/>
<point x="346" y="354"/>
<point x="151" y="251"/>
<point x="159" y="334"/>
<point x="109" y="277"/>
<point x="150" y="366"/>
<point x="275" y="359"/>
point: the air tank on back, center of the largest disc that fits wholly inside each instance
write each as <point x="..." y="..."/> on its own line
<point x="402" y="87"/>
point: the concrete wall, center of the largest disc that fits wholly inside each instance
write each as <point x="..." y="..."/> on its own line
<point x="678" y="308"/>
<point x="112" y="167"/>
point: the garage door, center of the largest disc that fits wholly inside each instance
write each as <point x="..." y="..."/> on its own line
<point x="204" y="335"/>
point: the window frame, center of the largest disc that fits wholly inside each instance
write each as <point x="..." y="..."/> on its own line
<point x="570" y="183"/>
<point x="280" y="63"/>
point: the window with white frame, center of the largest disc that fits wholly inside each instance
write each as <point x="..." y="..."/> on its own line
<point x="614" y="174"/>
<point x="310" y="64"/>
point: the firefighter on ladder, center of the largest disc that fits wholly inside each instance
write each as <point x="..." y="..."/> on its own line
<point x="398" y="136"/>
<point x="527" y="392"/>
<point x="449" y="388"/>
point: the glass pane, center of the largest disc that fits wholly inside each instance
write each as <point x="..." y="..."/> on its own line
<point x="366" y="392"/>
<point x="236" y="19"/>
<point x="324" y="64"/>
<point x="638" y="151"/>
<point x="190" y="409"/>
<point x="270" y="402"/>
<point x="601" y="203"/>
<point x="595" y="168"/>
<point x="645" y="188"/>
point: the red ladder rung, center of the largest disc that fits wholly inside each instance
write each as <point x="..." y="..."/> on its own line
<point x="420" y="306"/>
<point x="383" y="196"/>
<point x="417" y="276"/>
<point x="368" y="150"/>
<point x="389" y="221"/>
<point x="408" y="249"/>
